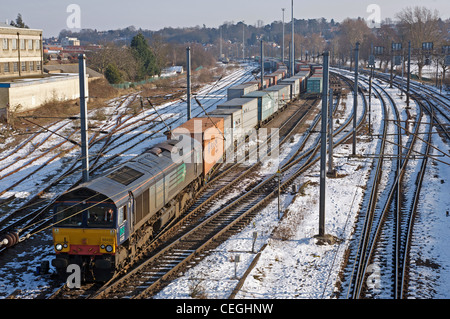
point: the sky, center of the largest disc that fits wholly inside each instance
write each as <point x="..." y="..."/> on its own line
<point x="52" y="16"/>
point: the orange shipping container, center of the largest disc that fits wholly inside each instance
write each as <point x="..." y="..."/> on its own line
<point x="209" y="132"/>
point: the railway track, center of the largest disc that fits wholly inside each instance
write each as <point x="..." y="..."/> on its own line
<point x="109" y="147"/>
<point x="216" y="190"/>
<point x="186" y="250"/>
<point x="386" y="225"/>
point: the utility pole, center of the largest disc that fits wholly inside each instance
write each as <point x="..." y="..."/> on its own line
<point x="188" y="66"/>
<point x="331" y="171"/>
<point x="323" y="145"/>
<point x="355" y="97"/>
<point x="372" y="65"/>
<point x="282" y="61"/>
<point x="409" y="74"/>
<point x="392" y="65"/>
<point x="292" y="43"/>
<point x="262" y="65"/>
<point x="243" y="41"/>
<point x="220" y="44"/>
<point x="83" y="117"/>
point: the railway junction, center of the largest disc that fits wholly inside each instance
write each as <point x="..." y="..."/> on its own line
<point x="251" y="230"/>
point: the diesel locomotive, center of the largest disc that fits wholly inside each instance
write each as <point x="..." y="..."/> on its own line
<point x="100" y="225"/>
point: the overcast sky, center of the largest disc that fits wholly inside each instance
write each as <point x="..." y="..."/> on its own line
<point x="51" y="15"/>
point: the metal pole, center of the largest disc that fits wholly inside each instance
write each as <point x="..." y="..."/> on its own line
<point x="403" y="72"/>
<point x="392" y="65"/>
<point x="83" y="117"/>
<point x="282" y="61"/>
<point x="243" y="41"/>
<point x="279" y="193"/>
<point x="188" y="66"/>
<point x="355" y="98"/>
<point x="292" y="43"/>
<point x="323" y="146"/>
<point x="220" y="44"/>
<point x="409" y="74"/>
<point x="370" y="88"/>
<point x="262" y="65"/>
<point x="330" y="133"/>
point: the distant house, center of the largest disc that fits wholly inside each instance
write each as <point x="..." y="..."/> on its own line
<point x="70" y="42"/>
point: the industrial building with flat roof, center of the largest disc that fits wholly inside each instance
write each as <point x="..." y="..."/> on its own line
<point x="23" y="84"/>
<point x="21" y="52"/>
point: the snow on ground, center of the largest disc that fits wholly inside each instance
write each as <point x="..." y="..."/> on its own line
<point x="430" y="254"/>
<point x="291" y="264"/>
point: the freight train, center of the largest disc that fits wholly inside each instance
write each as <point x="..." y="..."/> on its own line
<point x="102" y="224"/>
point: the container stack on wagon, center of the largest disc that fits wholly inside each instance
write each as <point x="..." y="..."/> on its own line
<point x="232" y="123"/>
<point x="283" y="91"/>
<point x="209" y="132"/>
<point x="266" y="104"/>
<point x="249" y="109"/>
<point x="240" y="90"/>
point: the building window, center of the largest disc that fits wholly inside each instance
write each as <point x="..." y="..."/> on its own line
<point x="14" y="44"/>
<point x="38" y="45"/>
<point x="6" y="67"/>
<point x="5" y="44"/>
<point x="16" y="67"/>
<point x="38" y="66"/>
<point x="24" y="66"/>
<point x="30" y="44"/>
<point x="22" y="44"/>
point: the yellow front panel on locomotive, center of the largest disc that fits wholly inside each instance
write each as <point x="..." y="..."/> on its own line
<point x="84" y="241"/>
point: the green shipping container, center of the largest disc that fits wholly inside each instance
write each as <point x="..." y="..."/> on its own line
<point x="314" y="85"/>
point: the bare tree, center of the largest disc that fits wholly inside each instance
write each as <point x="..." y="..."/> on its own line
<point x="351" y="32"/>
<point x="419" y="25"/>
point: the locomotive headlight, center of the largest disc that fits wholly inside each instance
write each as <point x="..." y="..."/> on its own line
<point x="109" y="248"/>
<point x="58" y="247"/>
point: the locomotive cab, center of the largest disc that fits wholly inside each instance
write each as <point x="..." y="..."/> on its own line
<point x="86" y="234"/>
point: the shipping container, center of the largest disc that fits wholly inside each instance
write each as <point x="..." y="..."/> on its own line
<point x="295" y="86"/>
<point x="303" y="73"/>
<point x="303" y="81"/>
<point x="314" y="85"/>
<point x="249" y="109"/>
<point x="266" y="83"/>
<point x="266" y="104"/>
<point x="270" y="78"/>
<point x="240" y="90"/>
<point x="232" y="120"/>
<point x="209" y="133"/>
<point x="258" y="83"/>
<point x="278" y="75"/>
<point x="284" y="93"/>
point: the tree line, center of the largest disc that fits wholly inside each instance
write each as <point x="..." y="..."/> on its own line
<point x="166" y="47"/>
